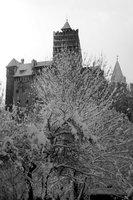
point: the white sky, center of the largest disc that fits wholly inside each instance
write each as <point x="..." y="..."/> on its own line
<point x="105" y="26"/>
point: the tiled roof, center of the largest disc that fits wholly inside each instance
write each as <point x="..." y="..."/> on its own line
<point x="66" y="26"/>
<point x="26" y="69"/>
<point x="13" y="63"/>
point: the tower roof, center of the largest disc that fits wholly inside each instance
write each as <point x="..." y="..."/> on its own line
<point x="117" y="75"/>
<point x="13" y="63"/>
<point x="66" y="26"/>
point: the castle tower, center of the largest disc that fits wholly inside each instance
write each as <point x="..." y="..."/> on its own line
<point x="67" y="38"/>
<point x="117" y="76"/>
<point x="10" y="71"/>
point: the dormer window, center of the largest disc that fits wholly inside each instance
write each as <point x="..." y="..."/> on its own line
<point x="22" y="71"/>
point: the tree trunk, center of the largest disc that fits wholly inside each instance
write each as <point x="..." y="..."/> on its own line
<point x="81" y="191"/>
<point x="30" y="192"/>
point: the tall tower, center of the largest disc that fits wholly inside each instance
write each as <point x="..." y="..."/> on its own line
<point x="10" y="71"/>
<point x="67" y="38"/>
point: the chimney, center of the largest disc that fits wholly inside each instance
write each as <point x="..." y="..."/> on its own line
<point x="22" y="61"/>
<point x="34" y="63"/>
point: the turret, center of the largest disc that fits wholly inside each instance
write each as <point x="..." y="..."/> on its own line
<point x="117" y="76"/>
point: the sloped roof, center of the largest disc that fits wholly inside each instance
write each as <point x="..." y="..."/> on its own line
<point x="13" y="63"/>
<point x="117" y="75"/>
<point x="26" y="69"/>
<point x="43" y="63"/>
<point x="66" y="26"/>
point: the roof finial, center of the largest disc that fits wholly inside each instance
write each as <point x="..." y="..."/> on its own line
<point x="66" y="18"/>
<point x="117" y="58"/>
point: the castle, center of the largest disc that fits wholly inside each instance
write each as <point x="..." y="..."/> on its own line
<point x="20" y="75"/>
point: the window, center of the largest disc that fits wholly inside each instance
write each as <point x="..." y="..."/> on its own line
<point x="22" y="71"/>
<point x="27" y="101"/>
<point x="17" y="91"/>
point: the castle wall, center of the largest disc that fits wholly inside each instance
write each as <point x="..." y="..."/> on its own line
<point x="9" y="87"/>
<point x="131" y="88"/>
<point x="24" y="95"/>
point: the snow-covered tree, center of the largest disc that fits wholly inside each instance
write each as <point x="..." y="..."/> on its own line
<point x="73" y="143"/>
<point x="19" y="156"/>
<point x="89" y="144"/>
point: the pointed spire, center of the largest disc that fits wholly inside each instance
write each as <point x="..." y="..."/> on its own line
<point x="66" y="26"/>
<point x="117" y="75"/>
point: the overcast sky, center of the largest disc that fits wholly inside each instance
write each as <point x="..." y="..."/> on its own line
<point x="105" y="26"/>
